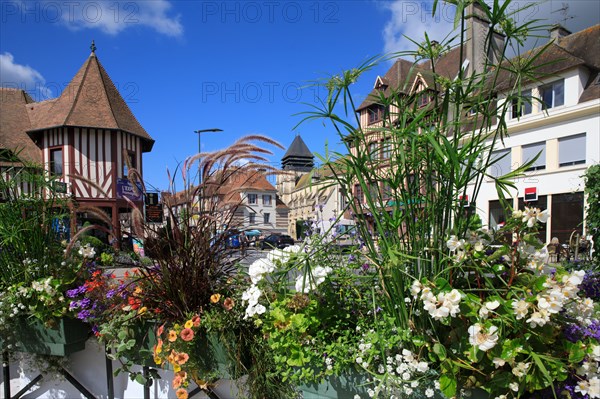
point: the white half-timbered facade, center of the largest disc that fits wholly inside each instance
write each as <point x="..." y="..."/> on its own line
<point x="87" y="138"/>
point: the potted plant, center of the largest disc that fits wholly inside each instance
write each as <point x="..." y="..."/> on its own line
<point x="461" y="336"/>
<point x="191" y="289"/>
<point x="35" y="272"/>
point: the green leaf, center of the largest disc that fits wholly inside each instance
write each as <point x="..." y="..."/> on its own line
<point x="140" y="379"/>
<point x="440" y="351"/>
<point x="442" y="284"/>
<point x="122" y="335"/>
<point x="448" y="385"/>
<point x="576" y="352"/>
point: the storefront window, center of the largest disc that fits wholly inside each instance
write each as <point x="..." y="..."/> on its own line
<point x="567" y="216"/>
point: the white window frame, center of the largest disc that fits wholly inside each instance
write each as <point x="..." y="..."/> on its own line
<point x="552" y="87"/>
<point x="526" y="106"/>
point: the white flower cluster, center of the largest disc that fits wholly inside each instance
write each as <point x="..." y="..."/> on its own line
<point x="531" y="215"/>
<point x="87" y="251"/>
<point x="439" y="306"/>
<point x="404" y="373"/>
<point x="552" y="300"/>
<point x="310" y="281"/>
<point x="590" y="373"/>
<point x="257" y="272"/>
<point x="251" y="295"/>
<point x="44" y="286"/>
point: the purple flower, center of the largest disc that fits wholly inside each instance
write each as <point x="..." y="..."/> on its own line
<point x="365" y="267"/>
<point x="73" y="305"/>
<point x="85" y="303"/>
<point x="591" y="285"/>
<point x="351" y="258"/>
<point x="76" y="292"/>
<point x="84" y="315"/>
<point x="110" y="294"/>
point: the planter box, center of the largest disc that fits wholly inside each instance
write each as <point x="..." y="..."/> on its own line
<point x="337" y="387"/>
<point x="67" y="337"/>
<point x="212" y="353"/>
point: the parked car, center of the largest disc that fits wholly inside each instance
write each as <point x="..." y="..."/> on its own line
<point x="276" y="241"/>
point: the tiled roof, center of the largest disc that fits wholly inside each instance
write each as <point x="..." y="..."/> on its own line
<point x="14" y="122"/>
<point x="241" y="181"/>
<point x="91" y="100"/>
<point x="577" y="49"/>
<point x="399" y="78"/>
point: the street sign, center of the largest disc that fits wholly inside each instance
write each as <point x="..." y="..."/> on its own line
<point x="154" y="213"/>
<point x="531" y="194"/>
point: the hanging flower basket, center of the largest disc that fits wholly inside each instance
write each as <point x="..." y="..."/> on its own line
<point x="65" y="337"/>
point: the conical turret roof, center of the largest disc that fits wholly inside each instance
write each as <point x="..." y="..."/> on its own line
<point x="90" y="100"/>
<point x="298" y="156"/>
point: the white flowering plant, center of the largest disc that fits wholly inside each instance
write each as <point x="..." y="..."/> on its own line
<point x="42" y="291"/>
<point x="498" y="322"/>
<point x="309" y="303"/>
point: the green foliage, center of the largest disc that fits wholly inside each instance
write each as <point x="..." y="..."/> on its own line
<point x="30" y="246"/>
<point x="505" y="331"/>
<point x="592" y="220"/>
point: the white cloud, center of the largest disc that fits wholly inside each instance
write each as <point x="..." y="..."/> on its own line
<point x="23" y="77"/>
<point x="413" y="19"/>
<point x="113" y="17"/>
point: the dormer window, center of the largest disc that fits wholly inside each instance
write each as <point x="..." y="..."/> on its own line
<point x="424" y="98"/>
<point x="376" y="113"/>
<point x="521" y="106"/>
<point x="553" y="94"/>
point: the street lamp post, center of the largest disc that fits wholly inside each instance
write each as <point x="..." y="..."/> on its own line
<point x="199" y="132"/>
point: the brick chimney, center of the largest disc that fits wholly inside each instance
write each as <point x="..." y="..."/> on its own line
<point x="477" y="29"/>
<point x="557" y="32"/>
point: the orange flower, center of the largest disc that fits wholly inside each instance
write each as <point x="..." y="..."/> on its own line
<point x="181" y="358"/>
<point x="183" y="375"/>
<point x="187" y="334"/>
<point x="160" y="330"/>
<point x="228" y="303"/>
<point x="181" y="394"/>
<point x="158" y="347"/>
<point x="172" y="336"/>
<point x="214" y="298"/>
<point x="172" y="356"/>
<point x="196" y="321"/>
<point x="177" y="382"/>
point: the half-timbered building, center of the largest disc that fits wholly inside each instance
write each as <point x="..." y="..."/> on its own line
<point x="87" y="138"/>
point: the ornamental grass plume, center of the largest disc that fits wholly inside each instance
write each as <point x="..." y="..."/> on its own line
<point x="190" y="254"/>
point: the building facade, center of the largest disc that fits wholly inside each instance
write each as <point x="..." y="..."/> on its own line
<point x="87" y="139"/>
<point x="561" y="123"/>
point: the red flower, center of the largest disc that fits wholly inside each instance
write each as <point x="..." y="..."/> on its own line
<point x="187" y="334"/>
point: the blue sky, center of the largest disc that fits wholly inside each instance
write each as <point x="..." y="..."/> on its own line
<point x="241" y="66"/>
